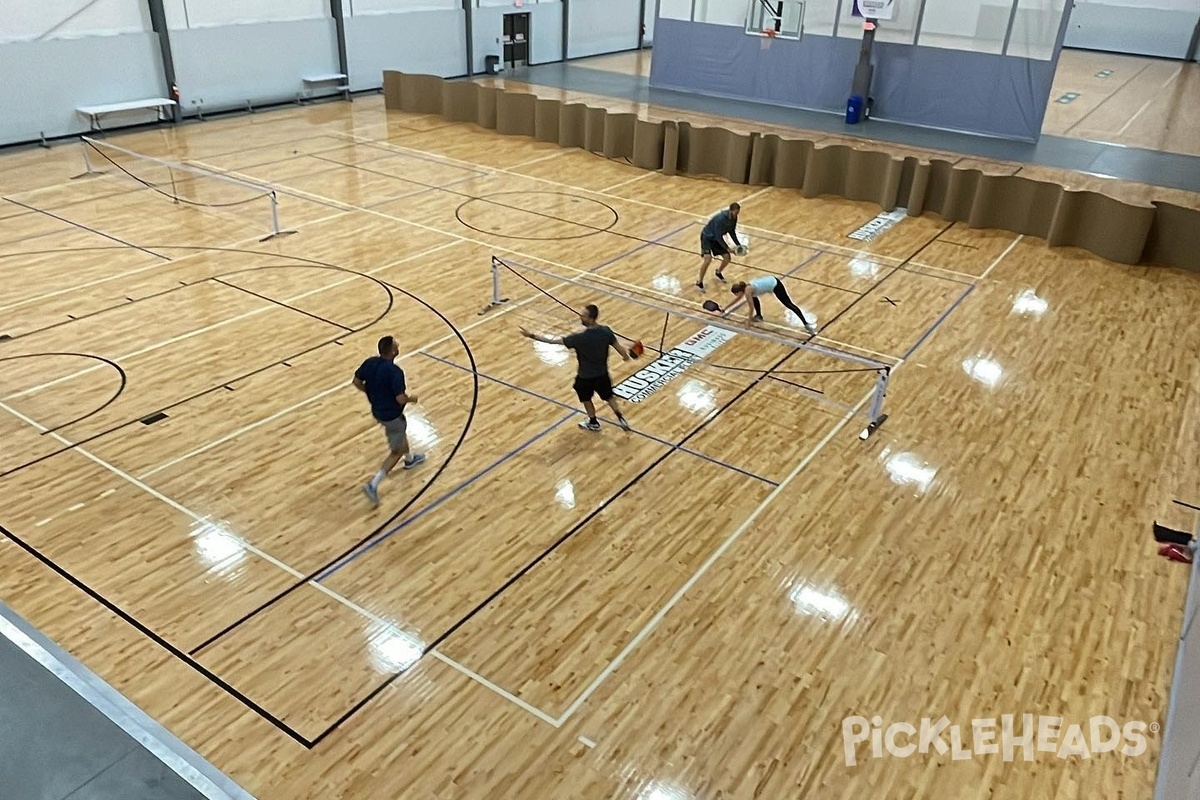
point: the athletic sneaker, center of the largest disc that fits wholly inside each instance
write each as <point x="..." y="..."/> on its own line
<point x="720" y="277"/>
<point x="413" y="460"/>
<point x="812" y="329"/>
<point x="372" y="493"/>
<point x="590" y="425"/>
<point x="758" y="318"/>
<point x="700" y="285"/>
<point x="624" y="423"/>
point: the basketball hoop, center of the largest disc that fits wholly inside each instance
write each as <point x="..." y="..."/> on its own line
<point x="768" y="37"/>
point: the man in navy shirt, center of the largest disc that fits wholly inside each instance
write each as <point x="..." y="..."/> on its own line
<point x="712" y="241"/>
<point x="383" y="383"/>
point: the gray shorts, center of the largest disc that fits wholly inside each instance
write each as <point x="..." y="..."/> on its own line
<point x="397" y="433"/>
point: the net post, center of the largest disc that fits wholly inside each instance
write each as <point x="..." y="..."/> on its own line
<point x="877" y="417"/>
<point x="88" y="172"/>
<point x="497" y="300"/>
<point x="273" y="196"/>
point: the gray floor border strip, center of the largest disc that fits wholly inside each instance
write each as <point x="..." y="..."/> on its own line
<point x="174" y="754"/>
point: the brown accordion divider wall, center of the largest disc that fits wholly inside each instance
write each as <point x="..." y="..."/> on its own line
<point x="1158" y="233"/>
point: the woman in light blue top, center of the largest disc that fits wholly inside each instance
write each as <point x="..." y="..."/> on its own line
<point x="768" y="284"/>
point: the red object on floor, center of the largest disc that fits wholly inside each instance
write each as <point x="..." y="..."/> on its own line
<point x="1176" y="553"/>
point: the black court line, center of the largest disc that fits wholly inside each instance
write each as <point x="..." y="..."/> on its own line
<point x="150" y="634"/>
<point x="151" y="296"/>
<point x="881" y="281"/>
<point x="282" y="304"/>
<point x="383" y="527"/>
<point x="563" y="539"/>
<point x="593" y="228"/>
<point x="117" y="367"/>
<point x="89" y="230"/>
<point x="220" y="387"/>
<point x="1186" y="505"/>
<point x="188" y="657"/>
<point x="450" y="631"/>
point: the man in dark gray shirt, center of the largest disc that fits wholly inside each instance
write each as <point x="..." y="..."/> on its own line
<point x="591" y="350"/>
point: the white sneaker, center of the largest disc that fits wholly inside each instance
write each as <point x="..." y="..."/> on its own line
<point x="812" y="329"/>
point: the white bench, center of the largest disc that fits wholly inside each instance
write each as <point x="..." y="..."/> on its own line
<point x="93" y="113"/>
<point x="334" y="80"/>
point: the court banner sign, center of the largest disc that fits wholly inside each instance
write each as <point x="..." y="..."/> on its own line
<point x="671" y="364"/>
<point x="875" y="9"/>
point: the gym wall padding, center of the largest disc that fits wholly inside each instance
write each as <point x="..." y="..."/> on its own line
<point x="1127" y="233"/>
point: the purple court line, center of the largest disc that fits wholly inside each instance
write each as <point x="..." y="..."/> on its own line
<point x="804" y="264"/>
<point x="404" y="523"/>
<point x="641" y="246"/>
<point x="938" y="323"/>
<point x="643" y="434"/>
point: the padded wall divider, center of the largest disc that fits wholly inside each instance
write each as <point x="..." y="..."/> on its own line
<point x="1156" y="233"/>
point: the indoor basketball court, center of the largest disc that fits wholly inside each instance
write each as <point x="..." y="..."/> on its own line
<point x="937" y="505"/>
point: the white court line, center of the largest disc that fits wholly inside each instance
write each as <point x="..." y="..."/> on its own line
<point x="556" y="154"/>
<point x="496" y="247"/>
<point x="649" y="627"/>
<point x="626" y="182"/>
<point x="387" y="624"/>
<point x="325" y="392"/>
<point x="156" y="265"/>
<point x="537" y="712"/>
<point x="1146" y="104"/>
<point x="1001" y="257"/>
<point x="113" y="710"/>
<point x="240" y="431"/>
<point x="923" y="265"/>
<point x="827" y="246"/>
<point x="229" y="321"/>
<point x="204" y="521"/>
<point x="586" y="742"/>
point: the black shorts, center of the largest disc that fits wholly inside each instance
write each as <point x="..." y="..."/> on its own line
<point x="586" y="387"/>
<point x="713" y="247"/>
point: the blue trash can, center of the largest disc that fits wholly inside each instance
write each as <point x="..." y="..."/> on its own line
<point x="854" y="110"/>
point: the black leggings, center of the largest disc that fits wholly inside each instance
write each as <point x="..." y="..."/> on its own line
<point x="782" y="294"/>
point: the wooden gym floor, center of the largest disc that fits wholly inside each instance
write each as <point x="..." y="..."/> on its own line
<point x="686" y="611"/>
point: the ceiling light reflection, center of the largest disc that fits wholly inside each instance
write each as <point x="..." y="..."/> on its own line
<point x="421" y="433"/>
<point x="658" y="790"/>
<point x="813" y="602"/>
<point x="565" y="496"/>
<point x="217" y="547"/>
<point x="551" y="354"/>
<point x="907" y="470"/>
<point x="984" y="370"/>
<point x="697" y="397"/>
<point x="1029" y="304"/>
<point x="666" y="283"/>
<point x="864" y="267"/>
<point x="395" y="651"/>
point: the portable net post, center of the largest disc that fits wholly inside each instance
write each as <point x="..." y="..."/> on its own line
<point x="875" y="415"/>
<point x="92" y="147"/>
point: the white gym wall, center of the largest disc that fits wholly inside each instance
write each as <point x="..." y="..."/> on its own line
<point x="545" y="29"/>
<point x="603" y="26"/>
<point x="1138" y="27"/>
<point x="57" y="54"/>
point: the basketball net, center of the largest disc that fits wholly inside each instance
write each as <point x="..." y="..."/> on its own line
<point x="768" y="37"/>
